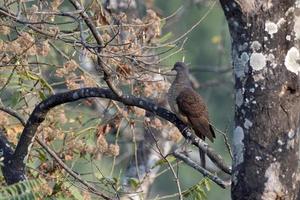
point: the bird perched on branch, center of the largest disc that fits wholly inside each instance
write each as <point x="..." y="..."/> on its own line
<point x="189" y="106"/>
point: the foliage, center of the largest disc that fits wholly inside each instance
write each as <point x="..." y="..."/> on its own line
<point x="199" y="190"/>
<point x="47" y="47"/>
<point x="29" y="189"/>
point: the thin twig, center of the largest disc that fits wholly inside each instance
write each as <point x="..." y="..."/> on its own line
<point x="170" y="166"/>
<point x="100" y="42"/>
<point x="188" y="31"/>
<point x="226" y="141"/>
<point x="203" y="171"/>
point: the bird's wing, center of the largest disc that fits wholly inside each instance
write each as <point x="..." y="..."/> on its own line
<point x="191" y="105"/>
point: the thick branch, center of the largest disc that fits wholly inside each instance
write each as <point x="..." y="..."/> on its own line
<point x="6" y="153"/>
<point x="5" y="149"/>
<point x="39" y="114"/>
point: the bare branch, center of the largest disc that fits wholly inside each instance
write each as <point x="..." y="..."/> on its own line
<point x="203" y="171"/>
<point x="39" y="113"/>
<point x="100" y="42"/>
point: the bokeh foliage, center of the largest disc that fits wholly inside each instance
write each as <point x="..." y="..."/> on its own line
<point x="34" y="67"/>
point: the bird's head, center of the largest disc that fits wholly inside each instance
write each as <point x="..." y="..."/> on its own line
<point x="180" y="67"/>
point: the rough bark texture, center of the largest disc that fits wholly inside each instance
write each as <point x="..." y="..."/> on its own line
<point x="265" y="52"/>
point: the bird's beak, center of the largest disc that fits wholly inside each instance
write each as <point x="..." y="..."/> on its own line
<point x="173" y="69"/>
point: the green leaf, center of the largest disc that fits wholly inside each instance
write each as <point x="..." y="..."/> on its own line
<point x="165" y="37"/>
<point x="74" y="191"/>
<point x="198" y="196"/>
<point x="163" y="161"/>
<point x="207" y="184"/>
<point x="133" y="182"/>
<point x="29" y="189"/>
<point x="42" y="155"/>
<point x="202" y="193"/>
<point x="98" y="175"/>
<point x="42" y="95"/>
<point x="15" y="99"/>
<point x="186" y="193"/>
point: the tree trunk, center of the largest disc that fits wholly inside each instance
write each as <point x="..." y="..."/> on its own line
<point x="266" y="58"/>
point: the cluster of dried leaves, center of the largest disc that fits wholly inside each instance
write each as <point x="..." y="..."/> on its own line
<point x="45" y="50"/>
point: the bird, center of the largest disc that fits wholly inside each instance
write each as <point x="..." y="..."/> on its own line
<point x="189" y="106"/>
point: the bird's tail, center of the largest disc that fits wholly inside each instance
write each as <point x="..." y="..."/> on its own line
<point x="202" y="158"/>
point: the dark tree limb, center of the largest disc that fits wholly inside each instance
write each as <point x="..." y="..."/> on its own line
<point x="18" y="159"/>
<point x="10" y="174"/>
<point x="6" y="150"/>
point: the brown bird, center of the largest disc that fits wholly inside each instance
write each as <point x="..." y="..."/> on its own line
<point x="189" y="106"/>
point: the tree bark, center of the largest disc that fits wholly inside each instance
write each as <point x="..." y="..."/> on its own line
<point x="266" y="53"/>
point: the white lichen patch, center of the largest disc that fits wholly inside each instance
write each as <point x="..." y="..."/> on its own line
<point x="258" y="158"/>
<point x="271" y="58"/>
<point x="297" y="27"/>
<point x="235" y="23"/>
<point x="291" y="134"/>
<point x="226" y="8"/>
<point x="267" y="4"/>
<point x="258" y="77"/>
<point x="240" y="64"/>
<point x="271" y="28"/>
<point x="288" y="37"/>
<point x="257" y="61"/>
<point x="238" y="145"/>
<point x="280" y="22"/>
<point x="239" y="98"/>
<point x="289" y="11"/>
<point x="255" y="46"/>
<point x="243" y="47"/>
<point x="247" y="123"/>
<point x="273" y="187"/>
<point x="292" y="60"/>
<point x="280" y="142"/>
<point x="75" y="95"/>
<point x="291" y="141"/>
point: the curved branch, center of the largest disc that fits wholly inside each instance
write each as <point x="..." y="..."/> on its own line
<point x="7" y="151"/>
<point x="39" y="113"/>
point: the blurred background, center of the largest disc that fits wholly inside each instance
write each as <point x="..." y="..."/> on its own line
<point x="206" y="49"/>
